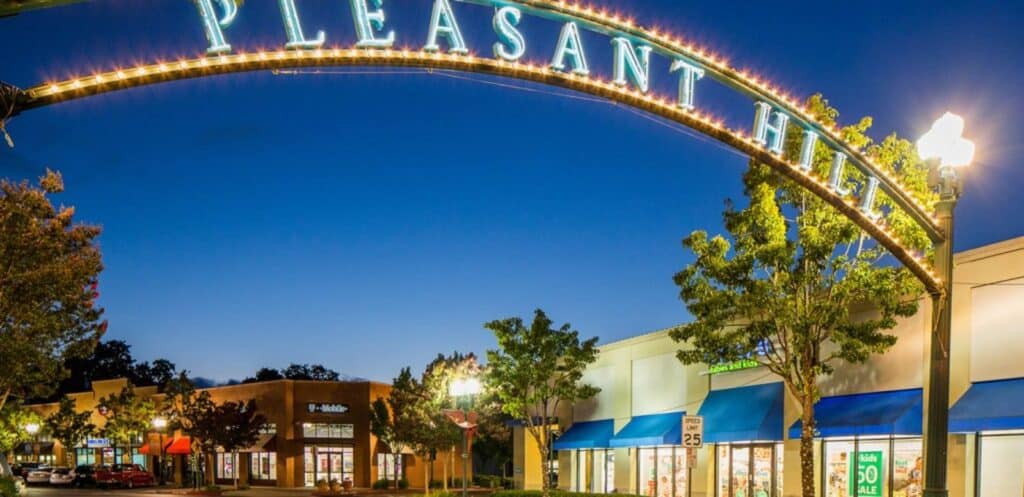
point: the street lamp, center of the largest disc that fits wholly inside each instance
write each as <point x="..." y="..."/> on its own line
<point x="160" y="425"/>
<point x="944" y="148"/>
<point x="33" y="429"/>
<point x="464" y="388"/>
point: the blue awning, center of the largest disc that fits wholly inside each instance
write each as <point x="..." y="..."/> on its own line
<point x="586" y="435"/>
<point x="878" y="413"/>
<point x="989" y="406"/>
<point x="652" y="429"/>
<point x="744" y="414"/>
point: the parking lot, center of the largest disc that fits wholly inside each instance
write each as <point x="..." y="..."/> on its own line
<point x="48" y="491"/>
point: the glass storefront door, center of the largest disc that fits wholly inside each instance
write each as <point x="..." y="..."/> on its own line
<point x="748" y="471"/>
<point x="327" y="464"/>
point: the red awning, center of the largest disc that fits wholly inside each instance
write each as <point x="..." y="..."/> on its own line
<point x="180" y="446"/>
<point x="144" y="449"/>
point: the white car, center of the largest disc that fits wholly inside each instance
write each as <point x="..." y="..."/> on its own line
<point x="38" y="475"/>
<point x="62" y="476"/>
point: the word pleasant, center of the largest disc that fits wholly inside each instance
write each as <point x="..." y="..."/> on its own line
<point x="631" y="65"/>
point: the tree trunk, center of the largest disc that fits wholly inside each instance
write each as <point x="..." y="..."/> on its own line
<point x="807" y="447"/>
<point x="394" y="468"/>
<point x="426" y="474"/>
<point x="545" y="468"/>
<point x="3" y="398"/>
<point x="444" y="472"/>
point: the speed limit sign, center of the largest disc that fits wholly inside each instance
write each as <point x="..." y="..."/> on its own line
<point x="693" y="431"/>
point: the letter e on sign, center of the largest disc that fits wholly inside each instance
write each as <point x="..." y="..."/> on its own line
<point x="693" y="431"/>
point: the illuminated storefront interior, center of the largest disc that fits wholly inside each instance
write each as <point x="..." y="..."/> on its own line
<point x="993" y="412"/>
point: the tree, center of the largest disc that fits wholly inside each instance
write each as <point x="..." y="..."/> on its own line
<point x="49" y="270"/>
<point x="444" y="435"/>
<point x="232" y="426"/>
<point x="113" y="359"/>
<point x="69" y="426"/>
<point x="782" y="289"/>
<point x="13" y="420"/>
<point x="265" y="374"/>
<point x="128" y="414"/>
<point x="314" y="372"/>
<point x="535" y="369"/>
<point x="390" y="423"/>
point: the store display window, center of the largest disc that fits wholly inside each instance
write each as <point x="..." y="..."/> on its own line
<point x="876" y="467"/>
<point x="662" y="471"/>
<point x="749" y="470"/>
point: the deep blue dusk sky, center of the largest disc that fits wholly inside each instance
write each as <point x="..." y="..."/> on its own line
<point x="370" y="221"/>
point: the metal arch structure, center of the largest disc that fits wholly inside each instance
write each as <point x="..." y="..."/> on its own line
<point x="15" y="100"/>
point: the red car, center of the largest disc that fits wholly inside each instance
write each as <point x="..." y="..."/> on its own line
<point x="124" y="475"/>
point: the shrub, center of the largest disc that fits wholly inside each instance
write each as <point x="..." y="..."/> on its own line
<point x="212" y="488"/>
<point x="444" y="494"/>
<point x="7" y="487"/>
<point x="436" y="484"/>
<point x="381" y="484"/>
<point x="403" y="483"/>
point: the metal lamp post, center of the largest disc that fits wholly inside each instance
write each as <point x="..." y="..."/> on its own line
<point x="160" y="425"/>
<point x="33" y="429"/>
<point x="945" y="148"/>
<point x="465" y="388"/>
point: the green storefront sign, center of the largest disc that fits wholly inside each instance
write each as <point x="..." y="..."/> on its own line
<point x="729" y="367"/>
<point x="869" y="474"/>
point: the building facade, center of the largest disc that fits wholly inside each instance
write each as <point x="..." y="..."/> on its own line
<point x="869" y="434"/>
<point x="315" y="430"/>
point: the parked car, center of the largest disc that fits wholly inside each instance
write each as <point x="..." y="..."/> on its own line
<point x="37" y="476"/>
<point x="124" y="475"/>
<point x="21" y="469"/>
<point x="62" y="476"/>
<point x="85" y="476"/>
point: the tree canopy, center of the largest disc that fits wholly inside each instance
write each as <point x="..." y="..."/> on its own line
<point x="533" y="370"/>
<point x="795" y="285"/>
<point x="69" y="426"/>
<point x="49" y="272"/>
<point x="128" y="415"/>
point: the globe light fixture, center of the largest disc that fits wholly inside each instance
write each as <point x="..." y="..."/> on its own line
<point x="32" y="428"/>
<point x="160" y="423"/>
<point x="945" y="142"/>
<point x="461" y="387"/>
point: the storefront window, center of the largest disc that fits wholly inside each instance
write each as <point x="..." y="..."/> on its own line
<point x="85" y="456"/>
<point x="327" y="430"/>
<point x="907" y="468"/>
<point x="581" y="471"/>
<point x="327" y="463"/>
<point x="263" y="466"/>
<point x="750" y="470"/>
<point x="599" y="475"/>
<point x="647" y="482"/>
<point x="862" y="468"/>
<point x="386" y="467"/>
<point x="662" y="472"/>
<point x="1002" y="465"/>
<point x="779" y="453"/>
<point x="226" y="466"/>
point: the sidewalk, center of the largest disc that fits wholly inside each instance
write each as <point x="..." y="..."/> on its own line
<point x="308" y="492"/>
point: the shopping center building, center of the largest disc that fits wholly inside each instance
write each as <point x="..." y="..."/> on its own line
<point x="315" y="430"/>
<point x="627" y="438"/>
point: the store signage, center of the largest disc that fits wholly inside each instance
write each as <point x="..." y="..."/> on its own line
<point x="869" y="474"/>
<point x="693" y="432"/>
<point x="728" y="367"/>
<point x="324" y="408"/>
<point x="97" y="443"/>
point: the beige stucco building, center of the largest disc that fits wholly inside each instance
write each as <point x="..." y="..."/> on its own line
<point x="627" y="438"/>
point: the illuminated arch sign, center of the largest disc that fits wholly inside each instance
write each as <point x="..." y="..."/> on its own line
<point x="639" y="57"/>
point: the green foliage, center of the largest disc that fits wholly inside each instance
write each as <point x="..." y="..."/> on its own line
<point x="796" y="285"/>
<point x="8" y="488"/>
<point x="69" y="426"/>
<point x="128" y="415"/>
<point x="534" y="369"/>
<point x="13" y="419"/>
<point x="381" y="484"/>
<point x="49" y="270"/>
<point x="492" y="481"/>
